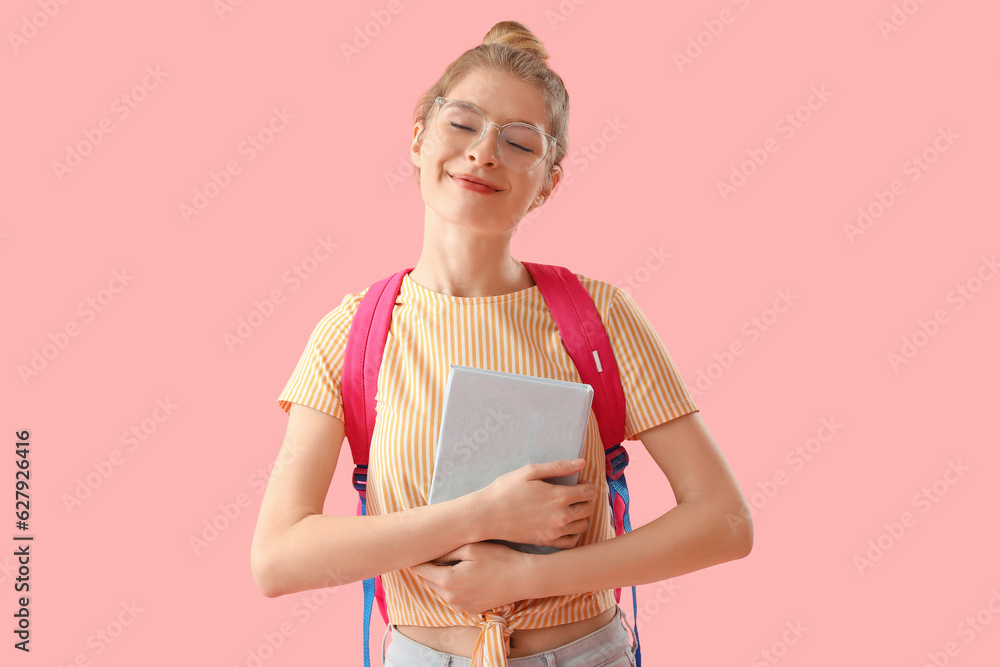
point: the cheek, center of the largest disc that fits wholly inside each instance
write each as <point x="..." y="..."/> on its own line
<point x="531" y="188"/>
<point x="433" y="153"/>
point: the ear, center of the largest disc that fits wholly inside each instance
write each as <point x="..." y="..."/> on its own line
<point x="418" y="127"/>
<point x="553" y="178"/>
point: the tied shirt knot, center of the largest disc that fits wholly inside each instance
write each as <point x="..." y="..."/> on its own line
<point x="493" y="643"/>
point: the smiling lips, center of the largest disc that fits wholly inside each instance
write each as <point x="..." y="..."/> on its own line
<point x="472" y="183"/>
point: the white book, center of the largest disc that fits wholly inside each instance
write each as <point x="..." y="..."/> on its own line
<point x="495" y="422"/>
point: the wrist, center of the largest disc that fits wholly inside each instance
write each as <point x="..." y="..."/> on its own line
<point x="476" y="513"/>
<point x="532" y="576"/>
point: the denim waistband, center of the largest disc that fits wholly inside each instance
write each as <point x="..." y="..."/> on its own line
<point x="608" y="641"/>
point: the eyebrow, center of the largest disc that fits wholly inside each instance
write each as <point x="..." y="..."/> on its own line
<point x="516" y="120"/>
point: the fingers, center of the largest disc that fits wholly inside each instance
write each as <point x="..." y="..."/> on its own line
<point x="581" y="510"/>
<point x="574" y="536"/>
<point x="554" y="468"/>
<point x="453" y="556"/>
<point x="567" y="535"/>
<point x="566" y="542"/>
<point x="578" y="527"/>
<point x="580" y="493"/>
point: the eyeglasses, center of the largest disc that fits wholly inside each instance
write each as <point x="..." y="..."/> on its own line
<point x="462" y="125"/>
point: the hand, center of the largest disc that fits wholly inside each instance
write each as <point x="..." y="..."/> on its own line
<point x="478" y="577"/>
<point x="520" y="507"/>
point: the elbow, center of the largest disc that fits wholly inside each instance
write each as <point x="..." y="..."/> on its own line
<point x="264" y="575"/>
<point x="738" y="529"/>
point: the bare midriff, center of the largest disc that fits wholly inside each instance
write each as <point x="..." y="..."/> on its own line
<point x="461" y="640"/>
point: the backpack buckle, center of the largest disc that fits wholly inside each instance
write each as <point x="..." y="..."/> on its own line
<point x="360" y="477"/>
<point x="615" y="460"/>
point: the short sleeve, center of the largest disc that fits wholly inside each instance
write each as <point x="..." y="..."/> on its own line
<point x="315" y="382"/>
<point x="654" y="390"/>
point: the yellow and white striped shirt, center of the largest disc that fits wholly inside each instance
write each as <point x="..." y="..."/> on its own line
<point x="514" y="333"/>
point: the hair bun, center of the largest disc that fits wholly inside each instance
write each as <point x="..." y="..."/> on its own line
<point x="516" y="35"/>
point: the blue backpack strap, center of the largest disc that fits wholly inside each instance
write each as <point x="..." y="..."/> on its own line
<point x="586" y="340"/>
<point x="362" y="359"/>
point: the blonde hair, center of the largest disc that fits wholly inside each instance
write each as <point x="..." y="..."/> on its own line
<point x="509" y="48"/>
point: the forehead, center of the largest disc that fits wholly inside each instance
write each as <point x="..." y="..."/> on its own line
<point x="503" y="98"/>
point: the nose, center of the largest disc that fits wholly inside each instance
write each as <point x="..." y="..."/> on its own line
<point x="484" y="151"/>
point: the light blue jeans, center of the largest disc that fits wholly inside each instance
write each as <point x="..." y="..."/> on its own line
<point x="610" y="646"/>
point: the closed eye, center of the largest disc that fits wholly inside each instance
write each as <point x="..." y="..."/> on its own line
<point x="518" y="146"/>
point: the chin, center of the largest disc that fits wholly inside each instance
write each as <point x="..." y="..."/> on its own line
<point x="447" y="202"/>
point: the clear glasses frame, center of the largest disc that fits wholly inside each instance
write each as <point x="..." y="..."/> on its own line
<point x="549" y="143"/>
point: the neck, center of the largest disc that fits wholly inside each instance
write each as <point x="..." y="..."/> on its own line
<point x="467" y="262"/>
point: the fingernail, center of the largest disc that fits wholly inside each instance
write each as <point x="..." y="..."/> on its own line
<point x="578" y="462"/>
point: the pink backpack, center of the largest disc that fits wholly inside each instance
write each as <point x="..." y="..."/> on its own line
<point x="586" y="340"/>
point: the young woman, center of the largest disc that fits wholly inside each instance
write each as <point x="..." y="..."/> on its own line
<point x="488" y="140"/>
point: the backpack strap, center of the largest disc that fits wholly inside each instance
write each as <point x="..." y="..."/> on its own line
<point x="586" y="340"/>
<point x="362" y="359"/>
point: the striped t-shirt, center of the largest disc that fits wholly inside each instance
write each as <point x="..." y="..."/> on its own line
<point x="514" y="333"/>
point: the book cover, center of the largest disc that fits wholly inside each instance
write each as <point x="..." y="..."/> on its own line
<point x="495" y="422"/>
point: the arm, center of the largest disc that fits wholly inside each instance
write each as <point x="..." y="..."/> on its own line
<point x="710" y="525"/>
<point x="296" y="547"/>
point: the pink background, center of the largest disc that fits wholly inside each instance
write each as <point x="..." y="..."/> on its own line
<point x="651" y="185"/>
